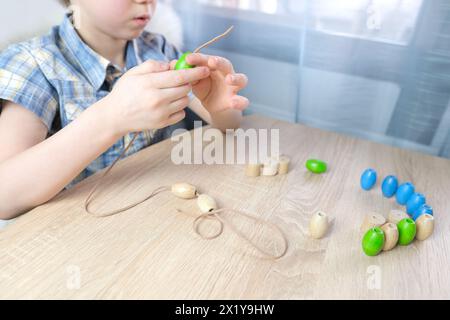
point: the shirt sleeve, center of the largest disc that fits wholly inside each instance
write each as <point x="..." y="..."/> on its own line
<point x="23" y="82"/>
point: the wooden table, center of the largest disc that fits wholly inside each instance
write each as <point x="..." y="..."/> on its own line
<point x="151" y="251"/>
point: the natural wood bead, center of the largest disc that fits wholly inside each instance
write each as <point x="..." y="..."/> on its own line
<point x="372" y="220"/>
<point x="395" y="216"/>
<point x="390" y="235"/>
<point x="184" y="190"/>
<point x="270" y="167"/>
<point x="269" y="171"/>
<point x="206" y="203"/>
<point x="253" y="170"/>
<point x="425" y="226"/>
<point x="318" y="225"/>
<point x="284" y="165"/>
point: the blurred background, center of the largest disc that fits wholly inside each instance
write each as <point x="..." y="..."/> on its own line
<point x="375" y="69"/>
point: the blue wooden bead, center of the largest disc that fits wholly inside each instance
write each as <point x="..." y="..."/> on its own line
<point x="425" y="208"/>
<point x="368" y="179"/>
<point x="404" y="192"/>
<point x="416" y="200"/>
<point x="389" y="186"/>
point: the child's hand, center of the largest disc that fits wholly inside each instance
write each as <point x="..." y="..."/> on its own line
<point x="218" y="91"/>
<point x="151" y="96"/>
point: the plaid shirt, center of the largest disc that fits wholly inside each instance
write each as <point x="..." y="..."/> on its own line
<point x="58" y="76"/>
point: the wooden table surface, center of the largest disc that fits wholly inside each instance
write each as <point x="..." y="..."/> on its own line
<point x="151" y="251"/>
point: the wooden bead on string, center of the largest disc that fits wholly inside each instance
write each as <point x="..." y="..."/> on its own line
<point x="206" y="203"/>
<point x="208" y="208"/>
<point x="184" y="190"/>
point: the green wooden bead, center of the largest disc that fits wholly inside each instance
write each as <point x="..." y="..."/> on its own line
<point x="182" y="64"/>
<point x="406" y="231"/>
<point x="373" y="241"/>
<point x="316" y="166"/>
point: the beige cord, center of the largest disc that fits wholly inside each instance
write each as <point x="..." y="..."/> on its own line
<point x="214" y="40"/>
<point x="89" y="198"/>
<point x="197" y="221"/>
<point x="216" y="214"/>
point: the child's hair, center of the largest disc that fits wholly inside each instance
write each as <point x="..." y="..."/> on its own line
<point x="65" y="3"/>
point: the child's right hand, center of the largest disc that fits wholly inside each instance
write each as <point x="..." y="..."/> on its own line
<point x="151" y="96"/>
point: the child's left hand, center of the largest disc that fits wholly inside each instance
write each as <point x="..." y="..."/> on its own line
<point x="220" y="90"/>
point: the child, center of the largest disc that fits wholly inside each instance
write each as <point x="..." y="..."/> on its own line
<point x="71" y="100"/>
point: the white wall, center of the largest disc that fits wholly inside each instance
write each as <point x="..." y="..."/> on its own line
<point x="23" y="19"/>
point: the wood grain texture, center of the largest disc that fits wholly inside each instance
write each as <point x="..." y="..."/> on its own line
<point x="151" y="251"/>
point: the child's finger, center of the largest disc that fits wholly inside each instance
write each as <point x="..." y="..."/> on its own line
<point x="150" y="66"/>
<point x="238" y="80"/>
<point x="177" y="92"/>
<point x="197" y="59"/>
<point x="221" y="64"/>
<point x="176" y="117"/>
<point x="178" y="105"/>
<point x="213" y="62"/>
<point x="172" y="67"/>
<point x="239" y="102"/>
<point x="176" y="78"/>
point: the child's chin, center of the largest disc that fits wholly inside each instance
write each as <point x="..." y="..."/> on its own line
<point x="131" y="34"/>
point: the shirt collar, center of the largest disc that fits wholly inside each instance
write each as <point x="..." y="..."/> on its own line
<point x="92" y="65"/>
